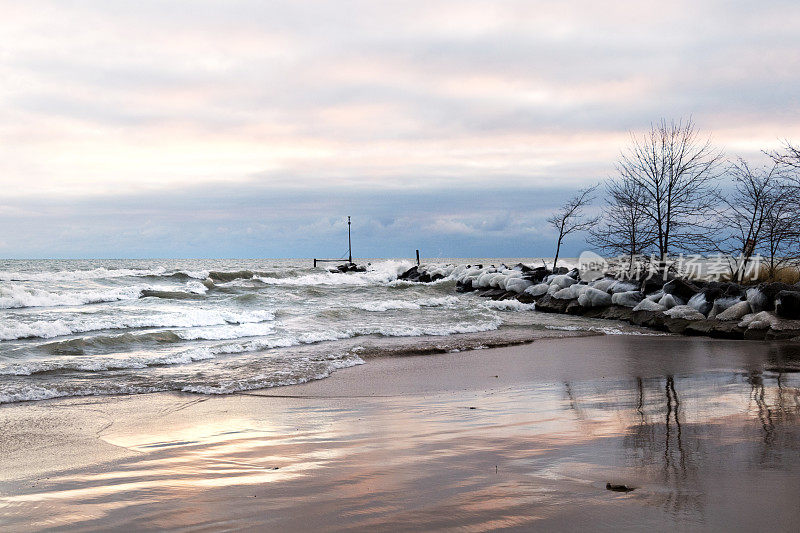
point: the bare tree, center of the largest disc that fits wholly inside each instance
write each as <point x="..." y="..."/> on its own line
<point x="746" y="215"/>
<point x="570" y="218"/>
<point x="782" y="231"/>
<point x="624" y="228"/>
<point x="790" y="156"/>
<point x="676" y="171"/>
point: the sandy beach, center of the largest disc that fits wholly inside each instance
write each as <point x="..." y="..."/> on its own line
<point x="706" y="431"/>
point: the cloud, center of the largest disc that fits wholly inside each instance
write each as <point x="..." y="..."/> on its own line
<point x="108" y="101"/>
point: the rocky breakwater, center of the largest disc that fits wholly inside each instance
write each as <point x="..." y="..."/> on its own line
<point x="689" y="307"/>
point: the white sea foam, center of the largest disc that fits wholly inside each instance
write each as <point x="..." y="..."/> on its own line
<point x="386" y="305"/>
<point x="16" y="296"/>
<point x="15" y="329"/>
<point x="509" y="305"/>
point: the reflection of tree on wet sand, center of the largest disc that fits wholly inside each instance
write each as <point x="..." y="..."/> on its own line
<point x="776" y="409"/>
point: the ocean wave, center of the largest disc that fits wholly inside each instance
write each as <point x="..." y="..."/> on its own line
<point x="299" y="371"/>
<point x="105" y="363"/>
<point x="15" y="329"/>
<point x="99" y="273"/>
<point x="17" y="296"/>
<point x="386" y="305"/>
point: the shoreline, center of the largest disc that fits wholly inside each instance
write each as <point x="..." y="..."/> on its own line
<point x="411" y="441"/>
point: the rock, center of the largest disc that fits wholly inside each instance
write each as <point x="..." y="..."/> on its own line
<point x="680" y="288"/>
<point x="735" y="312"/>
<point x="575" y="308"/>
<point x="787" y="304"/>
<point x="537" y="274"/>
<point x="615" y="312"/>
<point x="518" y="285"/>
<point x="684" y="312"/>
<point x="592" y="297"/>
<point x="627" y="299"/>
<point x="562" y="281"/>
<point x="464" y="286"/>
<point x="526" y="298"/>
<point x="603" y="284"/>
<point x="714" y="328"/>
<point x="761" y="320"/>
<point x="537" y="290"/>
<point x="675" y="325"/>
<point x="646" y="318"/>
<point x="548" y="304"/>
<point x="649" y="305"/>
<point x="771" y="290"/>
<point x="412" y="274"/>
<point x="619" y="488"/>
<point x="668" y="301"/>
<point x="649" y="285"/>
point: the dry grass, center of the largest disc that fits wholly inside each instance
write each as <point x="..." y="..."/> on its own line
<point x="785" y="274"/>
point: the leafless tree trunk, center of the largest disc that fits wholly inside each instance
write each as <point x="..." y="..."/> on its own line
<point x="676" y="172"/>
<point x="570" y="218"/>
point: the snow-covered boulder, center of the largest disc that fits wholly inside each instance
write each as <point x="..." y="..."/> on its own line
<point x="517" y="285"/>
<point x="627" y="299"/>
<point x="622" y="286"/>
<point x="603" y="284"/>
<point x="564" y="294"/>
<point x="649" y="305"/>
<point x="563" y="281"/>
<point x="758" y="300"/>
<point x="592" y="297"/>
<point x="685" y="312"/>
<point x="721" y="304"/>
<point x="669" y="301"/>
<point x="761" y="320"/>
<point x="735" y="312"/>
<point x="537" y="290"/>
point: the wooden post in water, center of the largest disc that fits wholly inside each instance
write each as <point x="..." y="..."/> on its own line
<point x="315" y="263"/>
<point x="417" y="257"/>
<point x="349" y="244"/>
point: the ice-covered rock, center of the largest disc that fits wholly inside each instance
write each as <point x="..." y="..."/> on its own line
<point x="622" y="286"/>
<point x="517" y="285"/>
<point x="656" y="296"/>
<point x="668" y="301"/>
<point x="537" y="290"/>
<point x="603" y="284"/>
<point x="735" y="312"/>
<point x="627" y="299"/>
<point x="562" y="281"/>
<point x="761" y="320"/>
<point x="564" y="294"/>
<point x="649" y="305"/>
<point x="685" y="312"/>
<point x="721" y="304"/>
<point x="592" y="297"/>
<point x="699" y="303"/>
<point x="756" y="299"/>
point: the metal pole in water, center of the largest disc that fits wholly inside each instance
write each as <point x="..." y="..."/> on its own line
<point x="349" y="244"/>
<point x="417" y="257"/>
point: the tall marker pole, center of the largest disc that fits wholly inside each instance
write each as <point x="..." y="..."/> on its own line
<point x="349" y="244"/>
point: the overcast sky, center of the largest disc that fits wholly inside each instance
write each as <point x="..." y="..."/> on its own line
<point x="252" y="128"/>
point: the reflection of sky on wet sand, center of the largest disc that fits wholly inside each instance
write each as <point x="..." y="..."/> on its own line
<point x="706" y="449"/>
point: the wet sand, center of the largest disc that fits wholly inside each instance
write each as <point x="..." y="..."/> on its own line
<point x="707" y="431"/>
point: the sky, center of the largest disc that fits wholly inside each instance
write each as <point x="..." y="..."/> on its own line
<point x="253" y="128"/>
